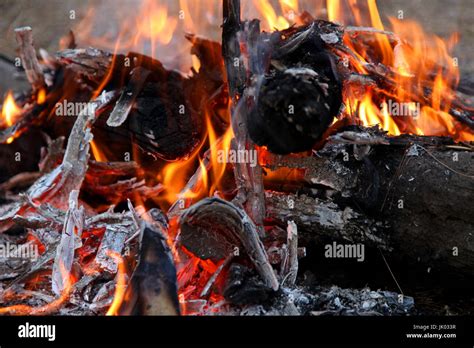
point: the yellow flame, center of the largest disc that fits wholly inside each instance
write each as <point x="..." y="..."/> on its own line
<point x="121" y="284"/>
<point x="41" y="97"/>
<point x="333" y="8"/>
<point x="99" y="156"/>
<point x="10" y="110"/>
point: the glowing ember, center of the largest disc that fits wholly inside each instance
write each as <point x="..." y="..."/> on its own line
<point x="41" y="97"/>
<point x="46" y="309"/>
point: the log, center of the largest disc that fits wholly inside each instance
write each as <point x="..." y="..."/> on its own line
<point x="297" y="89"/>
<point x="162" y="111"/>
<point x="152" y="289"/>
<point x="293" y="111"/>
<point x="411" y="196"/>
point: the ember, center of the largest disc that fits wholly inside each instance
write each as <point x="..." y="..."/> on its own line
<point x="193" y="177"/>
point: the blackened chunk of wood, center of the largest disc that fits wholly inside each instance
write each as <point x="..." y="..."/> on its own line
<point x="153" y="286"/>
<point x="163" y="121"/>
<point x="294" y="109"/>
<point x="244" y="287"/>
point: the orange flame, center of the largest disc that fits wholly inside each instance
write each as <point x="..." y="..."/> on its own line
<point x="289" y="9"/>
<point x="420" y="61"/>
<point x="121" y="284"/>
<point x="99" y="156"/>
<point x="41" y="97"/>
<point x="10" y="111"/>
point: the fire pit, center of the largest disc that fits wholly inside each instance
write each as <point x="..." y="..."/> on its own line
<point x="304" y="165"/>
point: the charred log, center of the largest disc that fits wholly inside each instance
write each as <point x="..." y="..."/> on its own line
<point x="407" y="195"/>
<point x="293" y="110"/>
<point x="153" y="288"/>
<point x="300" y="92"/>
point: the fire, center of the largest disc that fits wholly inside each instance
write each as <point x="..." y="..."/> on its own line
<point x="334" y="10"/>
<point x="420" y="60"/>
<point x="175" y="175"/>
<point x="217" y="149"/>
<point x="99" y="156"/>
<point x="41" y="97"/>
<point x="156" y="26"/>
<point x="10" y="111"/>
<point x="121" y="284"/>
<point x="288" y="7"/>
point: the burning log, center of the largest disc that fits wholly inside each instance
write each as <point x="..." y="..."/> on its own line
<point x="381" y="194"/>
<point x="162" y="110"/>
<point x="248" y="178"/>
<point x="153" y="288"/>
<point x="299" y="93"/>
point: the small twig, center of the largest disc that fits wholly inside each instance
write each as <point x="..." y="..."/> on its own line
<point x="212" y="280"/>
<point x="292" y="264"/>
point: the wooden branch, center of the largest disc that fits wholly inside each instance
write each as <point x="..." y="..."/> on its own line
<point x="236" y="74"/>
<point x="248" y="178"/>
<point x="414" y="198"/>
<point x="72" y="230"/>
<point x="34" y="73"/>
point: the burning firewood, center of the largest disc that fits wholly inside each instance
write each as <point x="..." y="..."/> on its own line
<point x="389" y="190"/>
<point x="153" y="289"/>
<point x="163" y="222"/>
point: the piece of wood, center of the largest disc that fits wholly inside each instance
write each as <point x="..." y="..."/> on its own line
<point x="298" y="92"/>
<point x="410" y="196"/>
<point x="152" y="289"/>
<point x="213" y="228"/>
<point x="34" y="73"/>
<point x="248" y="178"/>
<point x="64" y="258"/>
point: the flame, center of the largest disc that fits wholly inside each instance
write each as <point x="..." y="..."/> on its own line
<point x="99" y="156"/>
<point x="10" y="110"/>
<point x="289" y="9"/>
<point x="334" y="10"/>
<point x="121" y="284"/>
<point x="156" y="26"/>
<point x="218" y="151"/>
<point x="176" y="175"/>
<point x="420" y="60"/>
<point x="41" y="97"/>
